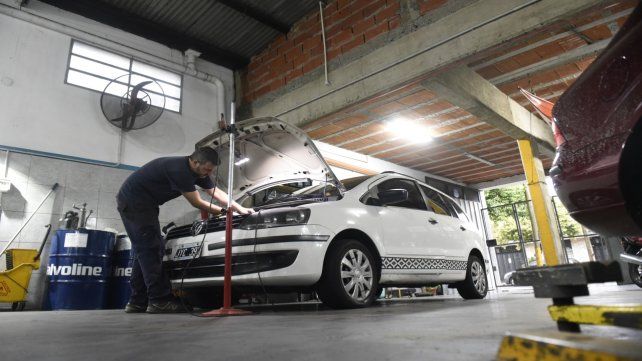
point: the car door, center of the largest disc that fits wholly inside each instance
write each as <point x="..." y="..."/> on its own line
<point x="470" y="235"/>
<point x="404" y="225"/>
<point x="451" y="243"/>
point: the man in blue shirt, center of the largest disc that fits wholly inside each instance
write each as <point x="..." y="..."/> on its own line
<point x="138" y="201"/>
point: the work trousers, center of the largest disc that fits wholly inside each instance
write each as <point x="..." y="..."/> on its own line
<point x="149" y="281"/>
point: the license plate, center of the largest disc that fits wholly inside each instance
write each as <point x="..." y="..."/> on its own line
<point x="187" y="251"/>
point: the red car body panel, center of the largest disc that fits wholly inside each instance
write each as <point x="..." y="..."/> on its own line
<point x="599" y="116"/>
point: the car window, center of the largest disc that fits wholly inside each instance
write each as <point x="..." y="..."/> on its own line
<point x="415" y="200"/>
<point x="460" y="212"/>
<point x="436" y="202"/>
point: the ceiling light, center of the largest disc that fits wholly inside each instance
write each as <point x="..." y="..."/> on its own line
<point x="409" y="130"/>
<point x="242" y="161"/>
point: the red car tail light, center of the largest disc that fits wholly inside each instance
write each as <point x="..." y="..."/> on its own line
<point x="557" y="134"/>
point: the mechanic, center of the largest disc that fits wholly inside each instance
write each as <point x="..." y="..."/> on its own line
<point x="138" y="203"/>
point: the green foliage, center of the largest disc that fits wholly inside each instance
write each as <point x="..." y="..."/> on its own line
<point x="500" y="212"/>
<point x="569" y="226"/>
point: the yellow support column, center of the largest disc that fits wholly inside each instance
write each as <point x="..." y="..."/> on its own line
<point x="544" y="215"/>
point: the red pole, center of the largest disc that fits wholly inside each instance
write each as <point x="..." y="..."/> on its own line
<point x="227" y="281"/>
<point x="227" y="309"/>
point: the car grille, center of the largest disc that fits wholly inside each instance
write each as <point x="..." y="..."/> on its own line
<point x="213" y="225"/>
<point x="241" y="264"/>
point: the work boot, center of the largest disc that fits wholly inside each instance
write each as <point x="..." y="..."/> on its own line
<point x="134" y="308"/>
<point x="170" y="306"/>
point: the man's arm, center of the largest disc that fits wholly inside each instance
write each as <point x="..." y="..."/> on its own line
<point x="221" y="196"/>
<point x="195" y="200"/>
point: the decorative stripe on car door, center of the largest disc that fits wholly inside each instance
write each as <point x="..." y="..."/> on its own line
<point x="422" y="263"/>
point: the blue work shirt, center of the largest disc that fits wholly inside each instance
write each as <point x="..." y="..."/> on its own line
<point x="159" y="181"/>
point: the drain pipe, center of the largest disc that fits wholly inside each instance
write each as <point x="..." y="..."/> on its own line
<point x="186" y="66"/>
<point x="325" y="50"/>
<point x="190" y="69"/>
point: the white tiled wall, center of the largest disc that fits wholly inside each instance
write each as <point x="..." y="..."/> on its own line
<point x="32" y="177"/>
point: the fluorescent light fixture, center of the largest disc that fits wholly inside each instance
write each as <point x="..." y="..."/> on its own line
<point x="409" y="130"/>
<point x="242" y="161"/>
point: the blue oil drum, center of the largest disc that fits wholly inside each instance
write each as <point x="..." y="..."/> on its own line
<point x="119" y="290"/>
<point x="79" y="268"/>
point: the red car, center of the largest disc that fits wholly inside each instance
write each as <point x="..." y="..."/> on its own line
<point x="597" y="171"/>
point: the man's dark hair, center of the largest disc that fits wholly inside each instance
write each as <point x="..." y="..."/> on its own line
<point x="204" y="155"/>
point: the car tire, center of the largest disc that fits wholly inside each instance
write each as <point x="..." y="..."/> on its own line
<point x="475" y="286"/>
<point x="350" y="276"/>
<point x="635" y="271"/>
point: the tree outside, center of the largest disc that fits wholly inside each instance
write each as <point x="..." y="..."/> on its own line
<point x="569" y="226"/>
<point x="500" y="213"/>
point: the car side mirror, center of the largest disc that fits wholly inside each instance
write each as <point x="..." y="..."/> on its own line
<point x="392" y="196"/>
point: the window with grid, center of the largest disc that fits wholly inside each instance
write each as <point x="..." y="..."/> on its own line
<point x="94" y="68"/>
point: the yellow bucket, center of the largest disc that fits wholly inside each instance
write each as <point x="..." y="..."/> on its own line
<point x="15" y="280"/>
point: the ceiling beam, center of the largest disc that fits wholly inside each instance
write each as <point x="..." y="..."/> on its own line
<point x="256" y="15"/>
<point x="546" y="64"/>
<point x="548" y="40"/>
<point x="470" y="91"/>
<point x="117" y="18"/>
<point x="455" y="37"/>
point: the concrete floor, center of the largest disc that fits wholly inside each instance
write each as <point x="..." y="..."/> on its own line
<point x="430" y="328"/>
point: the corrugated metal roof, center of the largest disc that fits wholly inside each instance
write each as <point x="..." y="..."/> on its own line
<point x="228" y="32"/>
<point x="217" y="24"/>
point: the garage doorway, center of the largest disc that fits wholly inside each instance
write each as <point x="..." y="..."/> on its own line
<point x="514" y="246"/>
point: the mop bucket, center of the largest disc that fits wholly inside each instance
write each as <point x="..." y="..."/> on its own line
<point x="15" y="280"/>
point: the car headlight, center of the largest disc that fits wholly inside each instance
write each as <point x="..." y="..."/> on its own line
<point x="276" y="218"/>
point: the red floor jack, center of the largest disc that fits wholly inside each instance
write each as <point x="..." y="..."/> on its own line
<point x="227" y="309"/>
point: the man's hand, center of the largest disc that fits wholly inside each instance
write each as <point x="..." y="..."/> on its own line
<point x="242" y="210"/>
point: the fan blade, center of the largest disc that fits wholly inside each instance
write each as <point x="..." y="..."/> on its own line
<point x="137" y="88"/>
<point x="119" y="119"/>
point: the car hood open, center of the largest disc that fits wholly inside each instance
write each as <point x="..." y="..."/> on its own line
<point x="267" y="150"/>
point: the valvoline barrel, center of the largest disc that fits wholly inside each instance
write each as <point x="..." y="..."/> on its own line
<point x="119" y="289"/>
<point x="79" y="268"/>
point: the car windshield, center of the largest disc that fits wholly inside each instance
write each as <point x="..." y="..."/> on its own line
<point x="309" y="190"/>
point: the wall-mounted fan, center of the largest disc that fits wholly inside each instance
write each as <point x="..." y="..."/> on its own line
<point x="128" y="106"/>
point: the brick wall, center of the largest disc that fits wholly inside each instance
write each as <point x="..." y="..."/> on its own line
<point x="348" y="24"/>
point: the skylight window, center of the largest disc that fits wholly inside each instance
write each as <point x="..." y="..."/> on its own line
<point x="94" y="68"/>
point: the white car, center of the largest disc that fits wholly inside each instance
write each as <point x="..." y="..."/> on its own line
<point x="345" y="239"/>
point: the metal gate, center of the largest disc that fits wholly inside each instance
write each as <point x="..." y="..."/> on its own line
<point x="513" y="243"/>
<point x="509" y="228"/>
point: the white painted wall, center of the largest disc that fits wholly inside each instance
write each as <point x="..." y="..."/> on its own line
<point x="32" y="178"/>
<point x="40" y="112"/>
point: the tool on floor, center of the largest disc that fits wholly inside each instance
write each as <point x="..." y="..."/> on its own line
<point x="14" y="282"/>
<point x="53" y="189"/>
<point x="562" y="283"/>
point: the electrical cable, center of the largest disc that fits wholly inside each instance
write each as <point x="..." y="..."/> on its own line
<point x="256" y="258"/>
<point x="197" y="254"/>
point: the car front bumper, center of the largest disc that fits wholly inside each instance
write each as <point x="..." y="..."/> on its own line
<point x="283" y="256"/>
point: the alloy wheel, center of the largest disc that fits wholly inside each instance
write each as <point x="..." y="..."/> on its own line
<point x="478" y="276"/>
<point x="356" y="275"/>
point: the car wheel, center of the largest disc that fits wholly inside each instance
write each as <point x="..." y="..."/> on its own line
<point x="635" y="271"/>
<point x="350" y="276"/>
<point x="475" y="285"/>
